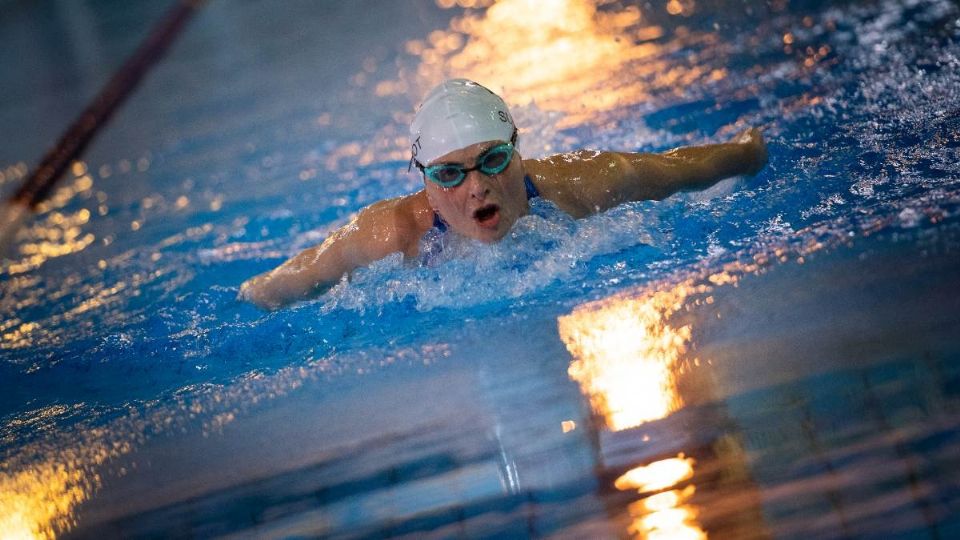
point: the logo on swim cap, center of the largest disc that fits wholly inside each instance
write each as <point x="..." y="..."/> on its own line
<point x="456" y="114"/>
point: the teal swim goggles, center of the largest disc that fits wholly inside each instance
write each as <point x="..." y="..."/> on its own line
<point x="493" y="161"/>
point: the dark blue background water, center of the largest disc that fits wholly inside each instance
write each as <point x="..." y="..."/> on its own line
<point x="127" y="358"/>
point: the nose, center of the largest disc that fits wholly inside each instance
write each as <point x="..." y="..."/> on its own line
<point x="478" y="185"/>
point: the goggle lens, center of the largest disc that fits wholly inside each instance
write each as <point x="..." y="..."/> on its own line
<point x="446" y="175"/>
<point x="493" y="161"/>
<point x="496" y="160"/>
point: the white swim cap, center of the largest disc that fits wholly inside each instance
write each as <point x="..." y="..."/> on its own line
<point x="456" y="114"/>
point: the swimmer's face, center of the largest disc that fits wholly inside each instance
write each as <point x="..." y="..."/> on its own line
<point x="482" y="207"/>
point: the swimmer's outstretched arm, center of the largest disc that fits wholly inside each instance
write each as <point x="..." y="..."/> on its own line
<point x="380" y="229"/>
<point x="591" y="182"/>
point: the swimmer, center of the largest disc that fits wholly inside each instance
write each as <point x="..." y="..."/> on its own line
<point x="477" y="185"/>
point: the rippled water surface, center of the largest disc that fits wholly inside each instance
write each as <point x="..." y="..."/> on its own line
<point x="773" y="358"/>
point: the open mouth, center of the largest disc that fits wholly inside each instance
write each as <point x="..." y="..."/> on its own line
<point x="487" y="216"/>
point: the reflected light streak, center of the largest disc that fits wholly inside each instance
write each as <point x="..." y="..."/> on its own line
<point x="58" y="233"/>
<point x="625" y="355"/>
<point x="626" y="361"/>
<point x="617" y="341"/>
<point x="565" y="55"/>
<point x="666" y="514"/>
<point x="13" y="172"/>
<point x="37" y="503"/>
<point x="558" y="63"/>
<point x="42" y="486"/>
<point x="673" y="524"/>
<point x="657" y="475"/>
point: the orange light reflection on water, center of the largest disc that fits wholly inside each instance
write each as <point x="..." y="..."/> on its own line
<point x="565" y="55"/>
<point x="42" y="486"/>
<point x="56" y="233"/>
<point x="37" y="503"/>
<point x="558" y="63"/>
<point x="665" y="514"/>
<point x="626" y="359"/>
<point x="625" y="355"/>
<point x="38" y="500"/>
<point x="657" y="475"/>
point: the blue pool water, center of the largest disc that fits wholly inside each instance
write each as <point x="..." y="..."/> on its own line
<point x="775" y="357"/>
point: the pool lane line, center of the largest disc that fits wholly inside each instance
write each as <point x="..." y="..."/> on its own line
<point x="18" y="208"/>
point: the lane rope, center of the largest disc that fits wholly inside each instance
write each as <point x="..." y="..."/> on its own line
<point x="36" y="187"/>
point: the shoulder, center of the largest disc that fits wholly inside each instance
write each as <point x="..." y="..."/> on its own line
<point x="398" y="222"/>
<point x="569" y="179"/>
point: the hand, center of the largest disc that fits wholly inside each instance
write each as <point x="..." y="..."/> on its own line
<point x="752" y="140"/>
<point x="254" y="291"/>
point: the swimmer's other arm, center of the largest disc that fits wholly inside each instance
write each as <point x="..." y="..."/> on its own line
<point x="598" y="181"/>
<point x="381" y="229"/>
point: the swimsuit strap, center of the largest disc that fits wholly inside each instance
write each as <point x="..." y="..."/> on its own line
<point x="438" y="222"/>
<point x="532" y="191"/>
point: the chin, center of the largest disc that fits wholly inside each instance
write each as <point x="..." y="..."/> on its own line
<point x="489" y="236"/>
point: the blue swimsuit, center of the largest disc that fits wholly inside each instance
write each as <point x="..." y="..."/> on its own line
<point x="441" y="225"/>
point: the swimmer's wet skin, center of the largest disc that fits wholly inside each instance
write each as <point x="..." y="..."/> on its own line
<point x="463" y="142"/>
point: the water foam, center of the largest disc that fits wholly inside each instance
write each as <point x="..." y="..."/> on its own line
<point x="543" y="247"/>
